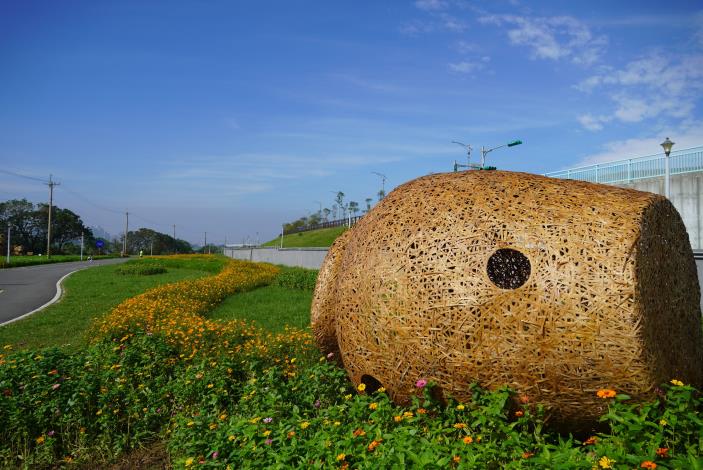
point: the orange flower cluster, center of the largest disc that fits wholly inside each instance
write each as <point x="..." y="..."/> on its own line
<point x="174" y="310"/>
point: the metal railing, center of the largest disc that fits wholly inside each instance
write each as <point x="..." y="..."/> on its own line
<point x="632" y="169"/>
<point x="332" y="223"/>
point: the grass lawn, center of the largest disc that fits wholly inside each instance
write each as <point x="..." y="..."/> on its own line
<point x="315" y="238"/>
<point x="91" y="293"/>
<point x="16" y="261"/>
<point x="271" y="307"/>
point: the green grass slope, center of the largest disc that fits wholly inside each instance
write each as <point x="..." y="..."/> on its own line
<point x="314" y="238"/>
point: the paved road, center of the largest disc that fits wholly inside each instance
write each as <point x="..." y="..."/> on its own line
<point x="23" y="290"/>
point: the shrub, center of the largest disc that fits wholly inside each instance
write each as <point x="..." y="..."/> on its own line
<point x="140" y="269"/>
<point x="296" y="278"/>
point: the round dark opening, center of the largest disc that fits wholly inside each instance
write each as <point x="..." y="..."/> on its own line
<point x="372" y="385"/>
<point x="508" y="268"/>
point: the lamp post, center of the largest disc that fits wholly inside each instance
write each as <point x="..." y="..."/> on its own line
<point x="667" y="144"/>
<point x="485" y="151"/>
<point x="468" y="156"/>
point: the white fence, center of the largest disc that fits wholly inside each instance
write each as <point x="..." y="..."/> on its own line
<point x="310" y="258"/>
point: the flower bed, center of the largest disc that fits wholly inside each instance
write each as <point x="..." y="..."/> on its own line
<point x="228" y="395"/>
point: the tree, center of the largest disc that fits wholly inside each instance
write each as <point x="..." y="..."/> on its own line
<point x="353" y="207"/>
<point x="21" y="216"/>
<point x="368" y="204"/>
<point x="326" y="214"/>
<point x="340" y="203"/>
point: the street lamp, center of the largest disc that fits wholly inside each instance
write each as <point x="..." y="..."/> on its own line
<point x="485" y="151"/>
<point x="468" y="156"/>
<point x="667" y="144"/>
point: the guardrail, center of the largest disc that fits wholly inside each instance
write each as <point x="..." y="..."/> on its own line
<point x="632" y="169"/>
<point x="332" y="223"/>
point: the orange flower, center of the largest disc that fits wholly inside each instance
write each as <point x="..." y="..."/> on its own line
<point x="456" y="459"/>
<point x="527" y="455"/>
<point x="421" y="411"/>
<point x="519" y="413"/>
<point x="606" y="393"/>
<point x="524" y="399"/>
<point x="648" y="464"/>
<point x="468" y="440"/>
<point x="460" y="425"/>
<point x="663" y="452"/>
<point x="373" y="445"/>
<point x="359" y="432"/>
<point x="590" y="441"/>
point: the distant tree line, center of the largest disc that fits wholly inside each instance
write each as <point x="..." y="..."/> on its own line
<point x="339" y="210"/>
<point x="28" y="223"/>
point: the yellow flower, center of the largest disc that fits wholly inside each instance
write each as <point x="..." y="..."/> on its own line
<point x="397" y="419"/>
<point x="381" y="390"/>
<point x="99" y="412"/>
<point x="40" y="440"/>
<point x="304" y="425"/>
<point x="460" y="425"/>
<point x="460" y="407"/>
<point x="347" y="397"/>
<point x="267" y="432"/>
<point x="605" y="462"/>
<point x="231" y="437"/>
<point x="678" y="383"/>
<point x="361" y="387"/>
<point x="223" y="416"/>
<point x="341" y="457"/>
<point x="663" y="422"/>
<point x="190" y="423"/>
<point x="212" y="426"/>
<point x="210" y="385"/>
<point x="407" y="414"/>
<point x="373" y="406"/>
<point x="189" y="461"/>
<point x="337" y="423"/>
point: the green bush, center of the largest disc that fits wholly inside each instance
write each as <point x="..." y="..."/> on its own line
<point x="296" y="278"/>
<point x="139" y="269"/>
<point x="275" y="407"/>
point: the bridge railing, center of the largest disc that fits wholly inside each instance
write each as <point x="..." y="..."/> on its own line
<point x="624" y="171"/>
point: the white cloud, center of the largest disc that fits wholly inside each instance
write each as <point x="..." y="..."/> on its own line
<point x="464" y="47"/>
<point x="466" y="67"/>
<point x="552" y="38"/>
<point x="430" y="5"/>
<point x="685" y="136"/>
<point x="650" y="86"/>
<point x="593" y="123"/>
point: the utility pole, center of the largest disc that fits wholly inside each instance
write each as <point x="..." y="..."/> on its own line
<point x="174" y="238"/>
<point x="282" y="229"/>
<point x="205" y="245"/>
<point x="51" y="185"/>
<point x="151" y="253"/>
<point x="383" y="182"/>
<point x="8" y="242"/>
<point x="126" y="228"/>
<point x="81" y="246"/>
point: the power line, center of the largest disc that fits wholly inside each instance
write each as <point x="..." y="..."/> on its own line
<point x="23" y="176"/>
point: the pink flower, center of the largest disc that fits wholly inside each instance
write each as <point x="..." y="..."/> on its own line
<point x="330" y="355"/>
<point x="421" y="383"/>
<point x="215" y="454"/>
<point x="55" y="386"/>
<point x="268" y="442"/>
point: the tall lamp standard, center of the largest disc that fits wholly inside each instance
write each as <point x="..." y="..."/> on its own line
<point x="667" y="144"/>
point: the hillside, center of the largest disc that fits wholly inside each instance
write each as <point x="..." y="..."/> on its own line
<point x="314" y="238"/>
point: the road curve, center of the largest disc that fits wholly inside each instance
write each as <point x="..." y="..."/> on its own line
<point x="27" y="289"/>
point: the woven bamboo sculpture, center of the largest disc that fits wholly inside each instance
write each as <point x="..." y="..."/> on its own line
<point x="556" y="288"/>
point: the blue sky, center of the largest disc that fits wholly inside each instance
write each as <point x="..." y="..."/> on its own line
<point x="232" y="117"/>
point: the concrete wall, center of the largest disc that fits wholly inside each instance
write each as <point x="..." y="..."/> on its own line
<point x="310" y="258"/>
<point x="687" y="197"/>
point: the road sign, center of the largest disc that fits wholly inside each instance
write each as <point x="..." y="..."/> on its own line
<point x="99" y="243"/>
